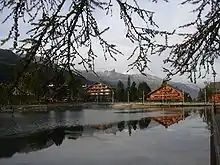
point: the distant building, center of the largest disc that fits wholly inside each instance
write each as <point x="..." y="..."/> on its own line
<point x="100" y="92"/>
<point x="216" y="92"/>
<point x="166" y="93"/>
<point x="215" y="97"/>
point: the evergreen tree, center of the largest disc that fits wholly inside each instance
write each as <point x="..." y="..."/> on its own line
<point x="129" y="83"/>
<point x="3" y="94"/>
<point x="187" y="97"/>
<point x="201" y="95"/>
<point x="133" y="92"/>
<point x="120" y="91"/>
<point x="164" y="82"/>
<point x="209" y="91"/>
<point x="143" y="86"/>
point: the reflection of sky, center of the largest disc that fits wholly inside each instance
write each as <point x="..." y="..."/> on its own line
<point x="184" y="143"/>
<point x="26" y="122"/>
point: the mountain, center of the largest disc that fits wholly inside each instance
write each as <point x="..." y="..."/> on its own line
<point x="8" y="57"/>
<point x="8" y="67"/>
<point x="8" y="61"/>
<point x="112" y="77"/>
<point x="192" y="89"/>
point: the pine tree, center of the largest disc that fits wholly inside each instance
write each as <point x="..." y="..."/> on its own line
<point x="133" y="92"/>
<point x="129" y="83"/>
<point x="187" y="97"/>
<point x="120" y="91"/>
<point x="143" y="87"/>
<point x="201" y="95"/>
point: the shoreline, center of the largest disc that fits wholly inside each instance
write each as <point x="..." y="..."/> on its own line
<point x="92" y="105"/>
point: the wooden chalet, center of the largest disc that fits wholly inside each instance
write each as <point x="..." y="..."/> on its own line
<point x="100" y="92"/>
<point x="215" y="97"/>
<point x="216" y="93"/>
<point x="166" y="93"/>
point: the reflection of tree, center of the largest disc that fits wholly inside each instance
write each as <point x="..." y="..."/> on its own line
<point x="200" y="114"/>
<point x="36" y="141"/>
<point x="143" y="123"/>
<point x="121" y="126"/>
<point x="57" y="136"/>
<point x="8" y="147"/>
<point x="208" y="117"/>
<point x="28" y="143"/>
<point x="75" y="132"/>
<point x="46" y="138"/>
<point x="129" y="128"/>
<point x="186" y="114"/>
<point x="134" y="124"/>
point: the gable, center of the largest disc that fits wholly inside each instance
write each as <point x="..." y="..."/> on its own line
<point x="165" y="90"/>
<point x="166" y="93"/>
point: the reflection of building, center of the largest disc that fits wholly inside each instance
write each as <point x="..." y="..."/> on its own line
<point x="166" y="121"/>
<point x="166" y="93"/>
<point x="55" y="136"/>
<point x="100" y="92"/>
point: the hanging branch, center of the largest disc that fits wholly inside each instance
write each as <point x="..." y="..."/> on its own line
<point x="58" y="31"/>
<point x="195" y="56"/>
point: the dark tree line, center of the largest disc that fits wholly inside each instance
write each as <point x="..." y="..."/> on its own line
<point x="43" y="84"/>
<point x="58" y="30"/>
<point x="135" y="92"/>
<point x="205" y="93"/>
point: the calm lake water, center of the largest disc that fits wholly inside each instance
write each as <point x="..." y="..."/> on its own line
<point x="106" y="137"/>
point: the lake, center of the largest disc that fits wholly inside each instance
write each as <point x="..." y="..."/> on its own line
<point x="106" y="137"/>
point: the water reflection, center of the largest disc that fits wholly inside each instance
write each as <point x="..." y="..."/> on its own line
<point x="29" y="142"/>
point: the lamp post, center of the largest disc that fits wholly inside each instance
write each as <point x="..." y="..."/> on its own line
<point x="214" y="75"/>
<point x="206" y="84"/>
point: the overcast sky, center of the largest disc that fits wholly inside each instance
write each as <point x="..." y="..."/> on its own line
<point x="167" y="15"/>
